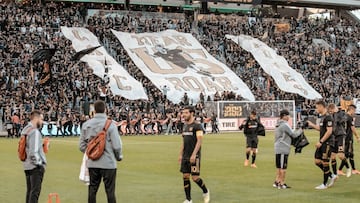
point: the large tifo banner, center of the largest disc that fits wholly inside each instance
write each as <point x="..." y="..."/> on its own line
<point x="231" y="114"/>
<point x="286" y="78"/>
<point x="178" y="63"/>
<point x="121" y="83"/>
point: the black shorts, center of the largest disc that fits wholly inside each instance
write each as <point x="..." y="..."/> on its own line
<point x="324" y="152"/>
<point x="192" y="168"/>
<point x="281" y="161"/>
<point x="339" y="145"/>
<point x="349" y="148"/>
<point x="252" y="142"/>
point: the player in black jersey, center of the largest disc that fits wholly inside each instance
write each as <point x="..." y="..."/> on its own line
<point x="322" y="153"/>
<point x="349" y="147"/>
<point x="250" y="126"/>
<point x="339" y="133"/>
<point x="190" y="154"/>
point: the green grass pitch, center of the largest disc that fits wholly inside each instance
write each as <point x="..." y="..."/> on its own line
<point x="150" y="173"/>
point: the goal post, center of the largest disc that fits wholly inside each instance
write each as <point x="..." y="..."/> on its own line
<point x="231" y="114"/>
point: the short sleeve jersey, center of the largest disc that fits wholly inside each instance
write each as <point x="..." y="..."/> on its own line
<point x="190" y="139"/>
<point x="325" y="122"/>
<point x="250" y="127"/>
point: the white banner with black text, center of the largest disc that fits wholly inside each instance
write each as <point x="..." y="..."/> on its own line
<point x="121" y="82"/>
<point x="286" y="78"/>
<point x="178" y="63"/>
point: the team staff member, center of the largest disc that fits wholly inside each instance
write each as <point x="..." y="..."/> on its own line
<point x="105" y="167"/>
<point x="190" y="154"/>
<point x="283" y="135"/>
<point x="349" y="142"/>
<point x="322" y="153"/>
<point x="35" y="162"/>
<point x="250" y="127"/>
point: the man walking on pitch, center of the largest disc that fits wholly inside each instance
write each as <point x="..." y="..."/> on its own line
<point x="104" y="167"/>
<point x="339" y="133"/>
<point x="283" y="135"/>
<point x="190" y="154"/>
<point x="35" y="162"/>
<point x="349" y="142"/>
<point x="250" y="126"/>
<point x="322" y="153"/>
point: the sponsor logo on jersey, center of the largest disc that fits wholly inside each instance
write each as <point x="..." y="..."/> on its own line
<point x="253" y="126"/>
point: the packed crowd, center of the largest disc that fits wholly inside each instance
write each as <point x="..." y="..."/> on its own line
<point x="67" y="100"/>
<point x="336" y="67"/>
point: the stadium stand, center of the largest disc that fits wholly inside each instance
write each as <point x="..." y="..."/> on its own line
<point x="334" y="71"/>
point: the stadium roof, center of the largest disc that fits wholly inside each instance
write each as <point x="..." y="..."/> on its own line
<point x="344" y="4"/>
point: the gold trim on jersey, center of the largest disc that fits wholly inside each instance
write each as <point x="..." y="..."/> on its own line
<point x="199" y="133"/>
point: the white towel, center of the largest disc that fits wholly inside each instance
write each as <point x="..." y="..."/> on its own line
<point x="84" y="171"/>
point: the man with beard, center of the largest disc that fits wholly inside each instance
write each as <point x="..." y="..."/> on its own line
<point x="190" y="154"/>
<point x="35" y="162"/>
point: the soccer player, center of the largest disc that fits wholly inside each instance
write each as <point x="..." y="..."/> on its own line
<point x="250" y="127"/>
<point x="349" y="148"/>
<point x="283" y="136"/>
<point x="322" y="153"/>
<point x="190" y="154"/>
<point x="339" y="132"/>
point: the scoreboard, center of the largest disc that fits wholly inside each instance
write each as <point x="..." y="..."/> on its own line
<point x="231" y="110"/>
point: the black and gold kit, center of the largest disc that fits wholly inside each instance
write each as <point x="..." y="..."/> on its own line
<point x="339" y="132"/>
<point x="190" y="140"/>
<point x="349" y="148"/>
<point x="250" y="130"/>
<point x="324" y="151"/>
<point x="191" y="133"/>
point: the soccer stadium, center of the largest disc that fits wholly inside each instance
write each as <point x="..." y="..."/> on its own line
<point x="121" y="100"/>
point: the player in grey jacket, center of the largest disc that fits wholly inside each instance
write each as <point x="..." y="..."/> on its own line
<point x="34" y="165"/>
<point x="105" y="167"/>
<point x="283" y="136"/>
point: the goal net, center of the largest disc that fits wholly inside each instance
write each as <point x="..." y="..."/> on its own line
<point x="231" y="114"/>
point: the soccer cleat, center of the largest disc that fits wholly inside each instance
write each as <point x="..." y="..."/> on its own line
<point x="340" y="173"/>
<point x="332" y="180"/>
<point x="275" y="184"/>
<point x="355" y="172"/>
<point x="348" y="173"/>
<point x="246" y="163"/>
<point x="253" y="166"/>
<point x="284" y="186"/>
<point x="187" y="201"/>
<point x="207" y="197"/>
<point x="321" y="187"/>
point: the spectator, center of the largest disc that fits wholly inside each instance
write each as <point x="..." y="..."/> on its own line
<point x="332" y="71"/>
